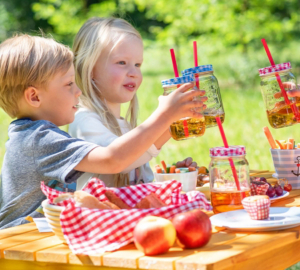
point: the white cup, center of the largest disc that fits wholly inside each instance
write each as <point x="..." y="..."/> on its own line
<point x="287" y="165"/>
<point x="188" y="180"/>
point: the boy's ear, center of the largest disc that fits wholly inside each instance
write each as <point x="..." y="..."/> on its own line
<point x="31" y="95"/>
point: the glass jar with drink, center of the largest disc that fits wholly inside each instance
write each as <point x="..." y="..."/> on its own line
<point x="185" y="128"/>
<point x="206" y="80"/>
<point x="278" y="112"/>
<point x="229" y="178"/>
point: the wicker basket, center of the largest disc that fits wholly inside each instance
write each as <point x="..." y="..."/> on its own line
<point x="52" y="214"/>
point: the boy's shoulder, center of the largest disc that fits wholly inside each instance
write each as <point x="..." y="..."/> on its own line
<point x="25" y="131"/>
<point x="26" y="124"/>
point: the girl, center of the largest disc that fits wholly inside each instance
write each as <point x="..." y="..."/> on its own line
<point x="108" y="58"/>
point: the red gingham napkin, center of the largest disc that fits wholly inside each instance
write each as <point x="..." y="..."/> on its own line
<point x="92" y="231"/>
<point x="257" y="209"/>
<point x="52" y="194"/>
<point x="259" y="189"/>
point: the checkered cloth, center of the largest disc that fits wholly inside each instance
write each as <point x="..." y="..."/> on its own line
<point x="259" y="209"/>
<point x="93" y="231"/>
<point x="258" y="189"/>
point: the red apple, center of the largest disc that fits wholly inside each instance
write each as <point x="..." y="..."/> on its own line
<point x="154" y="235"/>
<point x="193" y="228"/>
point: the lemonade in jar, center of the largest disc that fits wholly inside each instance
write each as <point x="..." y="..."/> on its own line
<point x="206" y="80"/>
<point x="188" y="127"/>
<point x="226" y="191"/>
<point x="278" y="112"/>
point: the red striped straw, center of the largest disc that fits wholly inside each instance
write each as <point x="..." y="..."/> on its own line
<point x="237" y="183"/>
<point x="184" y="122"/>
<point x="195" y="54"/>
<point x="196" y="63"/>
<point x="174" y="63"/>
<point x="286" y="99"/>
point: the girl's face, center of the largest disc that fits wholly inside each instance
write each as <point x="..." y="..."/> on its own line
<point x="117" y="73"/>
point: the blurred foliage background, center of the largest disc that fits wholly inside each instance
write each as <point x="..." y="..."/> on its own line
<point x="228" y="34"/>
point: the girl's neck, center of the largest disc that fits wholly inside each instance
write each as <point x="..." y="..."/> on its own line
<point x="115" y="109"/>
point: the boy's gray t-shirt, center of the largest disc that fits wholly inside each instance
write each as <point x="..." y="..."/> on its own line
<point x="36" y="151"/>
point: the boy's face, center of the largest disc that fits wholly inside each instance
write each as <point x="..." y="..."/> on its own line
<point x="60" y="99"/>
<point x="119" y="76"/>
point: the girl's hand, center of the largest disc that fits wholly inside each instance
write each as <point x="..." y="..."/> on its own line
<point x="188" y="162"/>
<point x="183" y="103"/>
<point x="291" y="90"/>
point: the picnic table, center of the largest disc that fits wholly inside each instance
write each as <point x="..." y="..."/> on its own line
<point x="24" y="247"/>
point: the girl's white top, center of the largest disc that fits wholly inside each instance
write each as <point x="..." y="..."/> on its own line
<point x="88" y="126"/>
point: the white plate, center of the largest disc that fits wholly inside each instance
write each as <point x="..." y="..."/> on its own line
<point x="275" y="175"/>
<point x="284" y="194"/>
<point x="280" y="218"/>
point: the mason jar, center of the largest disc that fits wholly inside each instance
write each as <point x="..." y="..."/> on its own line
<point x="184" y="128"/>
<point x="206" y="80"/>
<point x="278" y="112"/>
<point x="227" y="191"/>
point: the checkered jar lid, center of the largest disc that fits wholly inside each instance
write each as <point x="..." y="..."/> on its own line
<point x="197" y="69"/>
<point x="178" y="80"/>
<point x="275" y="68"/>
<point x="221" y="151"/>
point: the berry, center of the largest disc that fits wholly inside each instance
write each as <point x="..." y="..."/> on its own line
<point x="287" y="187"/>
<point x="278" y="190"/>
<point x="263" y="179"/>
<point x="271" y="192"/>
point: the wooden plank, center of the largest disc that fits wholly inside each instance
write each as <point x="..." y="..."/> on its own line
<point x="288" y="202"/>
<point x="5" y="233"/>
<point x="267" y="175"/>
<point x="58" y="254"/>
<point x="26" y="252"/>
<point x="238" y="250"/>
<point x="167" y="261"/>
<point x="91" y="259"/>
<point x="258" y="173"/>
<point x="81" y="259"/>
<point x="28" y="265"/>
<point x="126" y="257"/>
<point x="21" y="239"/>
<point x="280" y="258"/>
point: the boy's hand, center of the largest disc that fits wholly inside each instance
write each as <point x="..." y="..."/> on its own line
<point x="183" y="103"/>
<point x="188" y="162"/>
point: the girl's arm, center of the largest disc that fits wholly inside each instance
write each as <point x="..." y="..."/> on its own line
<point x="88" y="126"/>
<point x="163" y="139"/>
<point x="129" y="147"/>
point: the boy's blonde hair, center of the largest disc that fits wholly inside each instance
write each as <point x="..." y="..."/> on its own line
<point x="90" y="42"/>
<point x="28" y="61"/>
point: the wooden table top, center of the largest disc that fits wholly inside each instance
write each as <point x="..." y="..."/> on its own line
<point x="23" y="247"/>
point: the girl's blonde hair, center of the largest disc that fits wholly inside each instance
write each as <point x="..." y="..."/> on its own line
<point x="90" y="42"/>
<point x="28" y="61"/>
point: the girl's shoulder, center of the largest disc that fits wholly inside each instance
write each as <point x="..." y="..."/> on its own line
<point x="84" y="113"/>
<point x="124" y="125"/>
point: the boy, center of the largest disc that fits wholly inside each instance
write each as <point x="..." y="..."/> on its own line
<point x="37" y="86"/>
